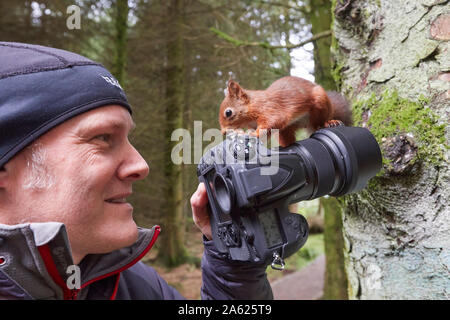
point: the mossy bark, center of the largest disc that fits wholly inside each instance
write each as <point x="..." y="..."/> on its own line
<point x="391" y="59"/>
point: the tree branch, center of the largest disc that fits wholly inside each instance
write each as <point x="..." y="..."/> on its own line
<point x="270" y="3"/>
<point x="266" y="45"/>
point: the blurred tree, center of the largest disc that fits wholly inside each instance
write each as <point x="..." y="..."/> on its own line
<point x="174" y="252"/>
<point x="320" y="19"/>
<point x="44" y="22"/>
<point x="121" y="23"/>
<point x="335" y="287"/>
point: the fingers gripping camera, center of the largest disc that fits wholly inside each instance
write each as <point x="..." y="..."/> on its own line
<point x="250" y="219"/>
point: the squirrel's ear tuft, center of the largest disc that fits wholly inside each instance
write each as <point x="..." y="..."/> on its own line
<point x="233" y="88"/>
<point x="236" y="91"/>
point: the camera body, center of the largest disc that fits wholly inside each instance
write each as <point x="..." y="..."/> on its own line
<point x="250" y="188"/>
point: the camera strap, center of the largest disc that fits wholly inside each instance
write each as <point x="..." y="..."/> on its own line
<point x="277" y="262"/>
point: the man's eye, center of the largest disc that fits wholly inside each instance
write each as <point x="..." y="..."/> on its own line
<point x="103" y="137"/>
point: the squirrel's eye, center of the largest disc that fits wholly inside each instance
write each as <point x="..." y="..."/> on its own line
<point x="228" y="113"/>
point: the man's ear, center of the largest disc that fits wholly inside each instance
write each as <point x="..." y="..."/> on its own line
<point x="3" y="177"/>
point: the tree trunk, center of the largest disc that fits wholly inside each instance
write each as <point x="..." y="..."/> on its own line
<point x="335" y="287"/>
<point x="173" y="250"/>
<point x="320" y="19"/>
<point x="392" y="59"/>
<point x="121" y="24"/>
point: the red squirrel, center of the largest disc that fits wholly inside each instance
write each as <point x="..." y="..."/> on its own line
<point x="288" y="104"/>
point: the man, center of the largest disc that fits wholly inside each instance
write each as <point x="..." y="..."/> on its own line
<point x="67" y="168"/>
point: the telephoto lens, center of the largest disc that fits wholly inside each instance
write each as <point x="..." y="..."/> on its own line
<point x="340" y="160"/>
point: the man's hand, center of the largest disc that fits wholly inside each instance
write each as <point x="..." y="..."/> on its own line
<point x="200" y="214"/>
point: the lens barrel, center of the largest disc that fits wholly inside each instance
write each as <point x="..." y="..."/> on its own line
<point x="342" y="159"/>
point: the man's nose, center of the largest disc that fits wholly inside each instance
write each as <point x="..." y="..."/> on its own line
<point x="134" y="167"/>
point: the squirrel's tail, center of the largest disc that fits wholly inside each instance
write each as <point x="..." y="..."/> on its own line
<point x="341" y="107"/>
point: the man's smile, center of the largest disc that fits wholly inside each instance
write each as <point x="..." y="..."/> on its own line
<point x="119" y="199"/>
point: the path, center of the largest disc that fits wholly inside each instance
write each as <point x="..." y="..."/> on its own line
<point x="306" y="284"/>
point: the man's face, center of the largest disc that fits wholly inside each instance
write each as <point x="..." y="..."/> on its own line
<point x="93" y="167"/>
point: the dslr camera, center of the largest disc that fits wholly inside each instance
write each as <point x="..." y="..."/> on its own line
<point x="250" y="188"/>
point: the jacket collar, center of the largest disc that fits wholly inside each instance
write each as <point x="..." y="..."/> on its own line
<point x="37" y="258"/>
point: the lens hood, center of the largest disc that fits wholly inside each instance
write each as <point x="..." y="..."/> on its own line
<point x="356" y="154"/>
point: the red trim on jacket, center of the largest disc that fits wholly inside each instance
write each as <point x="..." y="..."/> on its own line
<point x="69" y="294"/>
<point x="155" y="235"/>
<point x="46" y="255"/>
<point x="116" y="286"/>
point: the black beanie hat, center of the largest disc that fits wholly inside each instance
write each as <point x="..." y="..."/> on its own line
<point x="41" y="87"/>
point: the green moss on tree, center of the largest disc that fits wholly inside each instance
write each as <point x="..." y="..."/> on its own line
<point x="387" y="115"/>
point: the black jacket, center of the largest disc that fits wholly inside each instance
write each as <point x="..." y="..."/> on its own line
<point x="34" y="259"/>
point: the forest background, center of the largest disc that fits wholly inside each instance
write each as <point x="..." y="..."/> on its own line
<point x="174" y="57"/>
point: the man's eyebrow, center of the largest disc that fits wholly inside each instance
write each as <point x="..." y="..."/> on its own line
<point x="113" y="124"/>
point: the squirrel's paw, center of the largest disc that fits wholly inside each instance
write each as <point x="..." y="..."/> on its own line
<point x="261" y="132"/>
<point x="333" y="123"/>
<point x="232" y="132"/>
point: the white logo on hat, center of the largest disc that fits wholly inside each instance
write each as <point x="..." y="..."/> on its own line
<point x="112" y="81"/>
